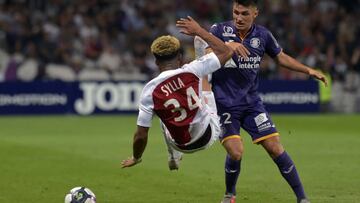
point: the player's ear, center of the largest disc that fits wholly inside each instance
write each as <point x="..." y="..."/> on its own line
<point x="180" y="58"/>
<point x="256" y="12"/>
<point x="157" y="62"/>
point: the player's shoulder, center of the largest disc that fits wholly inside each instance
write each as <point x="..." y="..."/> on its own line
<point x="148" y="88"/>
<point x="222" y="24"/>
<point x="152" y="84"/>
<point x="261" y="28"/>
<point x="262" y="32"/>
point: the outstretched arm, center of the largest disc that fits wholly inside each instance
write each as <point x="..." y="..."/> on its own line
<point x="139" y="145"/>
<point x="190" y="27"/>
<point x="292" y="64"/>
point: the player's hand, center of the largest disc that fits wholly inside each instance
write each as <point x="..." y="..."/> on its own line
<point x="239" y="49"/>
<point x="129" y="162"/>
<point x="318" y="75"/>
<point x="188" y="26"/>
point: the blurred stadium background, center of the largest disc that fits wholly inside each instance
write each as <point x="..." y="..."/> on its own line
<point x="90" y="57"/>
<point x="109" y="40"/>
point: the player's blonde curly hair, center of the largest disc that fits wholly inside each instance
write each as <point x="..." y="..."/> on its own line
<point x="165" y="47"/>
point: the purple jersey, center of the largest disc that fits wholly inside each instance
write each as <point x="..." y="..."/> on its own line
<point x="236" y="84"/>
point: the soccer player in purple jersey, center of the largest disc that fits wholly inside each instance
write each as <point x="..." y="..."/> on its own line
<point x="238" y="102"/>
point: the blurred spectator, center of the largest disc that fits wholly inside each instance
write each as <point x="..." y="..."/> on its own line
<point x="110" y="60"/>
<point x="28" y="70"/>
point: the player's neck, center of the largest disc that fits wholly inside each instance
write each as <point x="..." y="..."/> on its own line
<point x="168" y="66"/>
<point x="243" y="33"/>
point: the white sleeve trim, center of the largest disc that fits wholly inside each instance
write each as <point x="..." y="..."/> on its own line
<point x="144" y="119"/>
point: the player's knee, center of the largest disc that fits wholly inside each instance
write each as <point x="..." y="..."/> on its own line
<point x="274" y="149"/>
<point x="234" y="148"/>
<point x="236" y="156"/>
<point x="275" y="152"/>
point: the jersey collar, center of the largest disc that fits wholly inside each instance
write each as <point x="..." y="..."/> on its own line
<point x="247" y="34"/>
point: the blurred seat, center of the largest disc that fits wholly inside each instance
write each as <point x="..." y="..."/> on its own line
<point x="4" y="59"/>
<point x="60" y="72"/>
<point x="28" y="70"/>
<point x="93" y="74"/>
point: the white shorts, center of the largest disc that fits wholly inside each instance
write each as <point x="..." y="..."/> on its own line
<point x="213" y="126"/>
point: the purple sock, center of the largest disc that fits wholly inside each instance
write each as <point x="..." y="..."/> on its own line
<point x="288" y="171"/>
<point x="232" y="171"/>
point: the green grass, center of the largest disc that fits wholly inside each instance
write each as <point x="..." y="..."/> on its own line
<point x="41" y="158"/>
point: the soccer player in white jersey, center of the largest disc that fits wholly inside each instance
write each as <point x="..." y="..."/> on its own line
<point x="180" y="96"/>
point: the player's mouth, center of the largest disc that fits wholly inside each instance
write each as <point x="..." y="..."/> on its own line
<point x="240" y="25"/>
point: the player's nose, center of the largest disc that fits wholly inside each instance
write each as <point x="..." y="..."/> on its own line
<point x="239" y="19"/>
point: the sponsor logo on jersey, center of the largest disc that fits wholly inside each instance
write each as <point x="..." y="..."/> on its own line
<point x="252" y="62"/>
<point x="230" y="64"/>
<point x="255" y="42"/>
<point x="228" y="32"/>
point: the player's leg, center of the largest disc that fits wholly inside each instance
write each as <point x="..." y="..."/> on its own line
<point x="286" y="166"/>
<point x="232" y="142"/>
<point x="174" y="156"/>
<point x="234" y="148"/>
<point x="233" y="145"/>
<point x="209" y="103"/>
<point x="262" y="130"/>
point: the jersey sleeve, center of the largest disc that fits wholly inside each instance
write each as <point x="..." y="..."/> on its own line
<point x="272" y="47"/>
<point x="214" y="30"/>
<point x="146" y="107"/>
<point x="204" y="65"/>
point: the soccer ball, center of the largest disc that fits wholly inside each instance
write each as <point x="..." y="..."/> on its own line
<point x="80" y="195"/>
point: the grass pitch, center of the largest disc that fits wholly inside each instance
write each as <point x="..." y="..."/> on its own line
<point x="42" y="158"/>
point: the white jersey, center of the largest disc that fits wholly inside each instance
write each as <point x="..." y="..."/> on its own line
<point x="176" y="97"/>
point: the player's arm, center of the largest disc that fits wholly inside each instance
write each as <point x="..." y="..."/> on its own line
<point x="143" y="124"/>
<point x="139" y="145"/>
<point x="190" y="27"/>
<point x="237" y="48"/>
<point x="292" y="64"/>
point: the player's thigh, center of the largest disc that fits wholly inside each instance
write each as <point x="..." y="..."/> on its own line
<point x="230" y="137"/>
<point x="230" y="125"/>
<point x="259" y="125"/>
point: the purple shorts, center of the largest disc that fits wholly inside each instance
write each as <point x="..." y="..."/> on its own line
<point x="255" y="121"/>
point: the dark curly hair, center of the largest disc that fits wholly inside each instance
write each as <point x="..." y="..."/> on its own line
<point x="247" y="2"/>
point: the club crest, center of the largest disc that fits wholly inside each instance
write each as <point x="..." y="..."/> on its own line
<point x="255" y="43"/>
<point x="228" y="31"/>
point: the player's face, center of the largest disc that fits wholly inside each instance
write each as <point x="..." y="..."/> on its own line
<point x="244" y="16"/>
